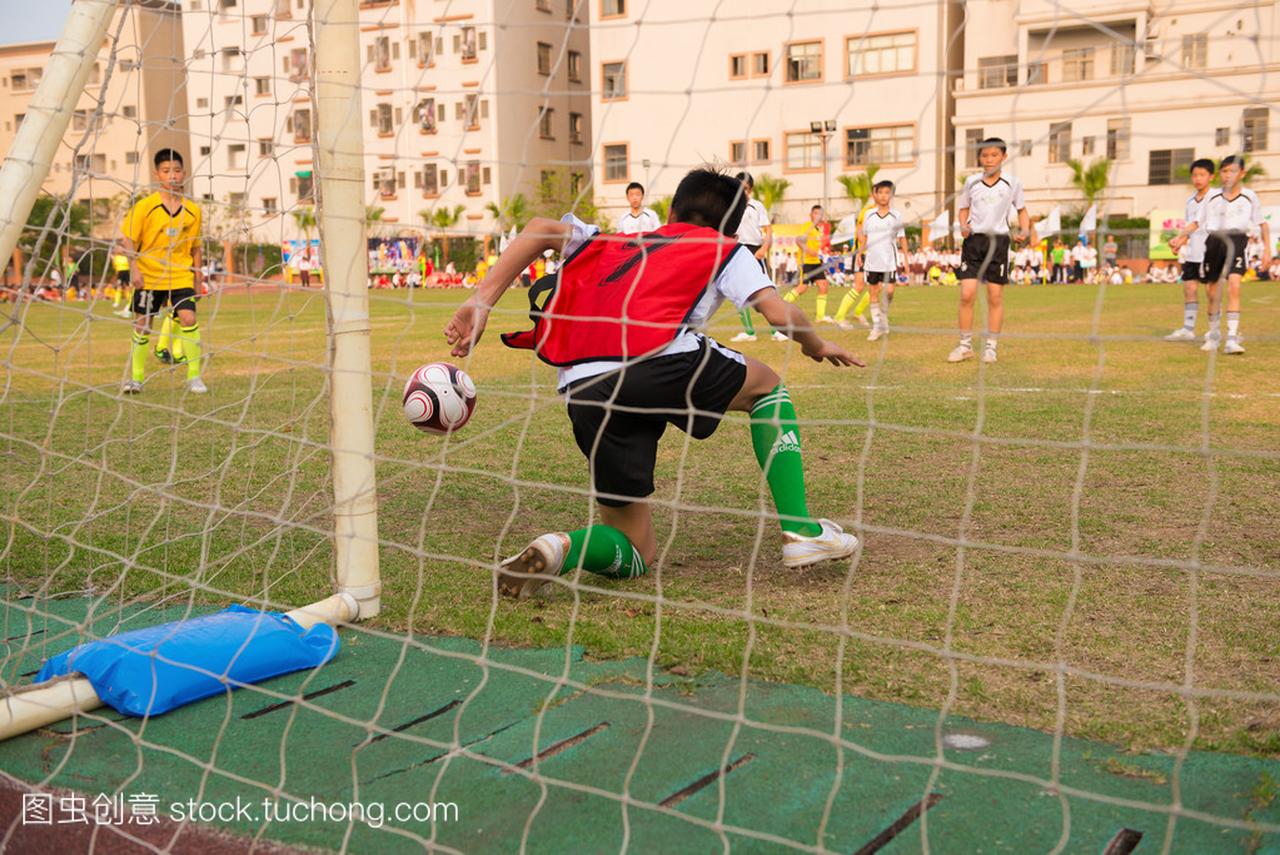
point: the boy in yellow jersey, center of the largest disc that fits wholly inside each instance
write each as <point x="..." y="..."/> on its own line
<point x="817" y="240"/>
<point x="161" y="235"/>
<point x="124" y="290"/>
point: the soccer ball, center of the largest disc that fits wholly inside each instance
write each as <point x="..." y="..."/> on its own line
<point x="439" y="398"/>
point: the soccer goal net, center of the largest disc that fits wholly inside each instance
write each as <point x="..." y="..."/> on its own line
<point x="236" y="228"/>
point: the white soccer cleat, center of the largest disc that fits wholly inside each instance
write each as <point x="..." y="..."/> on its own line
<point x="960" y="354"/>
<point x="744" y="336"/>
<point x="989" y="355"/>
<point x="1181" y="334"/>
<point x="875" y="334"/>
<point x="826" y="319"/>
<point x="1210" y="344"/>
<point x="196" y="386"/>
<point x="123" y="313"/>
<point x="1232" y="347"/>
<point x="523" y="574"/>
<point x="832" y="544"/>
<point x="862" y="321"/>
<point x="130" y="387"/>
<point x="844" y="325"/>
<point x="777" y="336"/>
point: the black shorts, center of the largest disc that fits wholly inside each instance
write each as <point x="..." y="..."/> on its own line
<point x="1193" y="271"/>
<point x="149" y="302"/>
<point x="814" y="272"/>
<point x="879" y="277"/>
<point x="1224" y="255"/>
<point x="122" y="277"/>
<point x="985" y="257"/>
<point x="619" y="417"/>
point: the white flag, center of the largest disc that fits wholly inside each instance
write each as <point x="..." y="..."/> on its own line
<point x="846" y="231"/>
<point x="940" y="225"/>
<point x="1090" y="221"/>
<point x="1052" y="224"/>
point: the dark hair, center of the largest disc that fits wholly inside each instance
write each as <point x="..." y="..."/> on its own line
<point x="709" y="198"/>
<point x="880" y="184"/>
<point x="166" y="154"/>
<point x="1203" y="163"/>
<point x="634" y="185"/>
<point x="745" y="177"/>
<point x="1237" y="159"/>
<point x="993" y="142"/>
<point x="815" y="208"/>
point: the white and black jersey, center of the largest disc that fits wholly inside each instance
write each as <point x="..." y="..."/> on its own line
<point x="881" y="233"/>
<point x="1239" y="215"/>
<point x="990" y="203"/>
<point x="633" y="224"/>
<point x="1196" y="212"/>
<point x="755" y="219"/>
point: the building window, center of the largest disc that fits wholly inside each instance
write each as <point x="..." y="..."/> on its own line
<point x="1059" y="142"/>
<point x="268" y="205"/>
<point x="1037" y="73"/>
<point x="384" y="181"/>
<point x="306" y="187"/>
<point x="997" y="72"/>
<point x="202" y="103"/>
<point x="262" y="86"/>
<point x="424" y="115"/>
<point x="235" y="156"/>
<point x="613" y="8"/>
<point x="1124" y="58"/>
<point x="473" y="177"/>
<point x="883" y="53"/>
<point x="236" y="201"/>
<point x="575" y="128"/>
<point x="546" y="123"/>
<point x="1117" y="139"/>
<point x="1253" y="129"/>
<point x="1164" y="165"/>
<point x="760" y="151"/>
<point x="890" y="144"/>
<point x="380" y="118"/>
<point x="468" y="44"/>
<point x="232" y="101"/>
<point x="230" y="58"/>
<point x="296" y="65"/>
<point x="258" y="24"/>
<point x="803" y="151"/>
<point x="430" y="180"/>
<point x="738" y="153"/>
<point x="1086" y="145"/>
<point x="131" y="157"/>
<point x="972" y="145"/>
<point x="737" y="66"/>
<point x="804" y="62"/>
<point x="615" y="81"/>
<point x="1195" y="50"/>
<point x="575" y="66"/>
<point x="1222" y="136"/>
<point x="425" y="49"/>
<point x="544" y="59"/>
<point x="302" y="126"/>
<point x="760" y="64"/>
<point x="617" y="165"/>
<point x="379" y="53"/>
<point x="471" y="112"/>
<point x="543" y="5"/>
<point x="1077" y="64"/>
<point x="266" y="148"/>
<point x="95" y="76"/>
<point x="205" y="149"/>
<point x="1025" y="148"/>
<point x="79" y="120"/>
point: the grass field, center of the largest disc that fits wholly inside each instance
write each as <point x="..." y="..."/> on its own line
<point x="1044" y="511"/>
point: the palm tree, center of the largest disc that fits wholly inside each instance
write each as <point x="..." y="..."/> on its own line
<point x="1090" y="180"/>
<point x="858" y="186"/>
<point x="443" y="219"/>
<point x="769" y="191"/>
<point x="662" y="207"/>
<point x="513" y="211"/>
<point x="306" y="220"/>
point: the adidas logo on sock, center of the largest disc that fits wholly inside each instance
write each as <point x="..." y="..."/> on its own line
<point x="787" y="441"/>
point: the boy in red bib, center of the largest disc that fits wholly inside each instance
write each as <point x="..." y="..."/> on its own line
<point x="620" y="323"/>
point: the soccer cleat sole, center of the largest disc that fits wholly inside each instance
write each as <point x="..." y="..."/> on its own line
<point x="523" y="575"/>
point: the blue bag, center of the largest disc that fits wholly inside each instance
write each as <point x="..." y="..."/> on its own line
<point x="153" y="670"/>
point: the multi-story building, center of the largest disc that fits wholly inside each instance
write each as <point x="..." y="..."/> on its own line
<point x="134" y="102"/>
<point x="804" y="92"/>
<point x="446" y="123"/>
<point x="1148" y="86"/>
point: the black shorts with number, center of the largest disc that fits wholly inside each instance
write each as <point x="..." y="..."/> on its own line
<point x="879" y="277"/>
<point x="618" y="417"/>
<point x="814" y="272"/>
<point x="1193" y="271"/>
<point x="985" y="257"/>
<point x="149" y="302"/>
<point x="1224" y="255"/>
<point x="122" y="277"/>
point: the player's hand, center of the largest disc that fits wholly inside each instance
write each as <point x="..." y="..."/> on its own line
<point x="1265" y="261"/>
<point x="835" y="354"/>
<point x="964" y="230"/>
<point x="1176" y="243"/>
<point x="466" y="326"/>
<point x="136" y="282"/>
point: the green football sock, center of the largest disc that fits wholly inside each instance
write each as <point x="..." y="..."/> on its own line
<point x="605" y="551"/>
<point x="166" y="330"/>
<point x="745" y="314"/>
<point x="138" y="355"/>
<point x="775" y="435"/>
<point x="847" y="303"/>
<point x="190" y="342"/>
<point x="863" y="301"/>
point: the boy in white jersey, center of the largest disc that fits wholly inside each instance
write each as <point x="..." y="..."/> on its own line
<point x="638" y="218"/>
<point x="1193" y="236"/>
<point x="982" y="208"/>
<point x="755" y="232"/>
<point x="882" y="238"/>
<point x="619" y="404"/>
<point x="1230" y="215"/>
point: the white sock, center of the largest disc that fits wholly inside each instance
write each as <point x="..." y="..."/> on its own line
<point x="1214" y="324"/>
<point x="875" y="316"/>
<point x="1233" y="324"/>
<point x="966" y="340"/>
<point x="1189" y="313"/>
<point x="991" y="340"/>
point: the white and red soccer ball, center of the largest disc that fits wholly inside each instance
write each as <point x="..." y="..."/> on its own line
<point x="439" y="398"/>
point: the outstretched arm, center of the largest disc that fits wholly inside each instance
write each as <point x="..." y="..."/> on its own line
<point x="789" y="317"/>
<point x="467" y="325"/>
